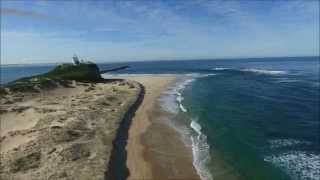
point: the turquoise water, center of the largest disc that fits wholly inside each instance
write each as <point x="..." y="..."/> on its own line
<point x="251" y="119"/>
<point x="254" y="119"/>
<point x="261" y="122"/>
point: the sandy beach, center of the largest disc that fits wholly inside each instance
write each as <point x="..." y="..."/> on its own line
<point x="155" y="150"/>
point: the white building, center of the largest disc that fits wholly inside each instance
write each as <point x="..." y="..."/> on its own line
<point x="75" y="60"/>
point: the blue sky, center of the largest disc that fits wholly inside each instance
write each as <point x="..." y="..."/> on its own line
<point x="105" y="31"/>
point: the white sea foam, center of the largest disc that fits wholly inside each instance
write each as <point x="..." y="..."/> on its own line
<point x="200" y="151"/>
<point x="207" y="75"/>
<point x="182" y="85"/>
<point x="220" y="69"/>
<point x="280" y="143"/>
<point x="179" y="97"/>
<point x="286" y="80"/>
<point x="298" y="164"/>
<point x="167" y="102"/>
<point x="263" y="71"/>
<point x="183" y="109"/>
<point x="199" y="75"/>
<point x="195" y="126"/>
<point x="179" y="100"/>
<point x="177" y="90"/>
<point x="200" y="147"/>
<point x="171" y="102"/>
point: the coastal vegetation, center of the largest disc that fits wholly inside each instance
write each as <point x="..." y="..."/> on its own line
<point x="61" y="74"/>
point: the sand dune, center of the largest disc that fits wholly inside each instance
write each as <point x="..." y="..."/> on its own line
<point x="62" y="133"/>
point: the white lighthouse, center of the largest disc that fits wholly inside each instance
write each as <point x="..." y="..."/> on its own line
<point x="75" y="60"/>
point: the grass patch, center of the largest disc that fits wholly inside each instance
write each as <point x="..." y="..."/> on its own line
<point x="82" y="72"/>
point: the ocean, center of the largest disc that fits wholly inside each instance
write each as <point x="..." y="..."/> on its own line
<point x="252" y="119"/>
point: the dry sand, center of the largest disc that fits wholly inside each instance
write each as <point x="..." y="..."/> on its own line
<point x="155" y="150"/>
<point x="63" y="133"/>
<point x="67" y="133"/>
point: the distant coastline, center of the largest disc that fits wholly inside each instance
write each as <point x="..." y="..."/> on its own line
<point x="156" y="60"/>
<point x="10" y="72"/>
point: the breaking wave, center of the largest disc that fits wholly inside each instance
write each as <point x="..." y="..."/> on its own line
<point x="286" y="80"/>
<point x="298" y="164"/>
<point x="263" y="71"/>
<point x="221" y="69"/>
<point x="200" y="151"/>
<point x="252" y="70"/>
<point x="172" y="102"/>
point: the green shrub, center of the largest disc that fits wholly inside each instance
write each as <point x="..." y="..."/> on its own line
<point x="82" y="72"/>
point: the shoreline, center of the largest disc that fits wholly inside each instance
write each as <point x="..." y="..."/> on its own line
<point x="132" y="141"/>
<point x="156" y="150"/>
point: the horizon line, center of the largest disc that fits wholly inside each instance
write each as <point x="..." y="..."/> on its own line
<point x="157" y="60"/>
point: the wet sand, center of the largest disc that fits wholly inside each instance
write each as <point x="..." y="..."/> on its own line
<point x="155" y="150"/>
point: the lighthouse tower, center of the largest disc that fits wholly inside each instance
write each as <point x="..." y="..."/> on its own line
<point x="75" y="60"/>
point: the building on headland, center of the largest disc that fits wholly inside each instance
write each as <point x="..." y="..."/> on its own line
<point x="75" y="60"/>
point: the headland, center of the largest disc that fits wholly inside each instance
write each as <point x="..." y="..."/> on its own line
<point x="70" y="123"/>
